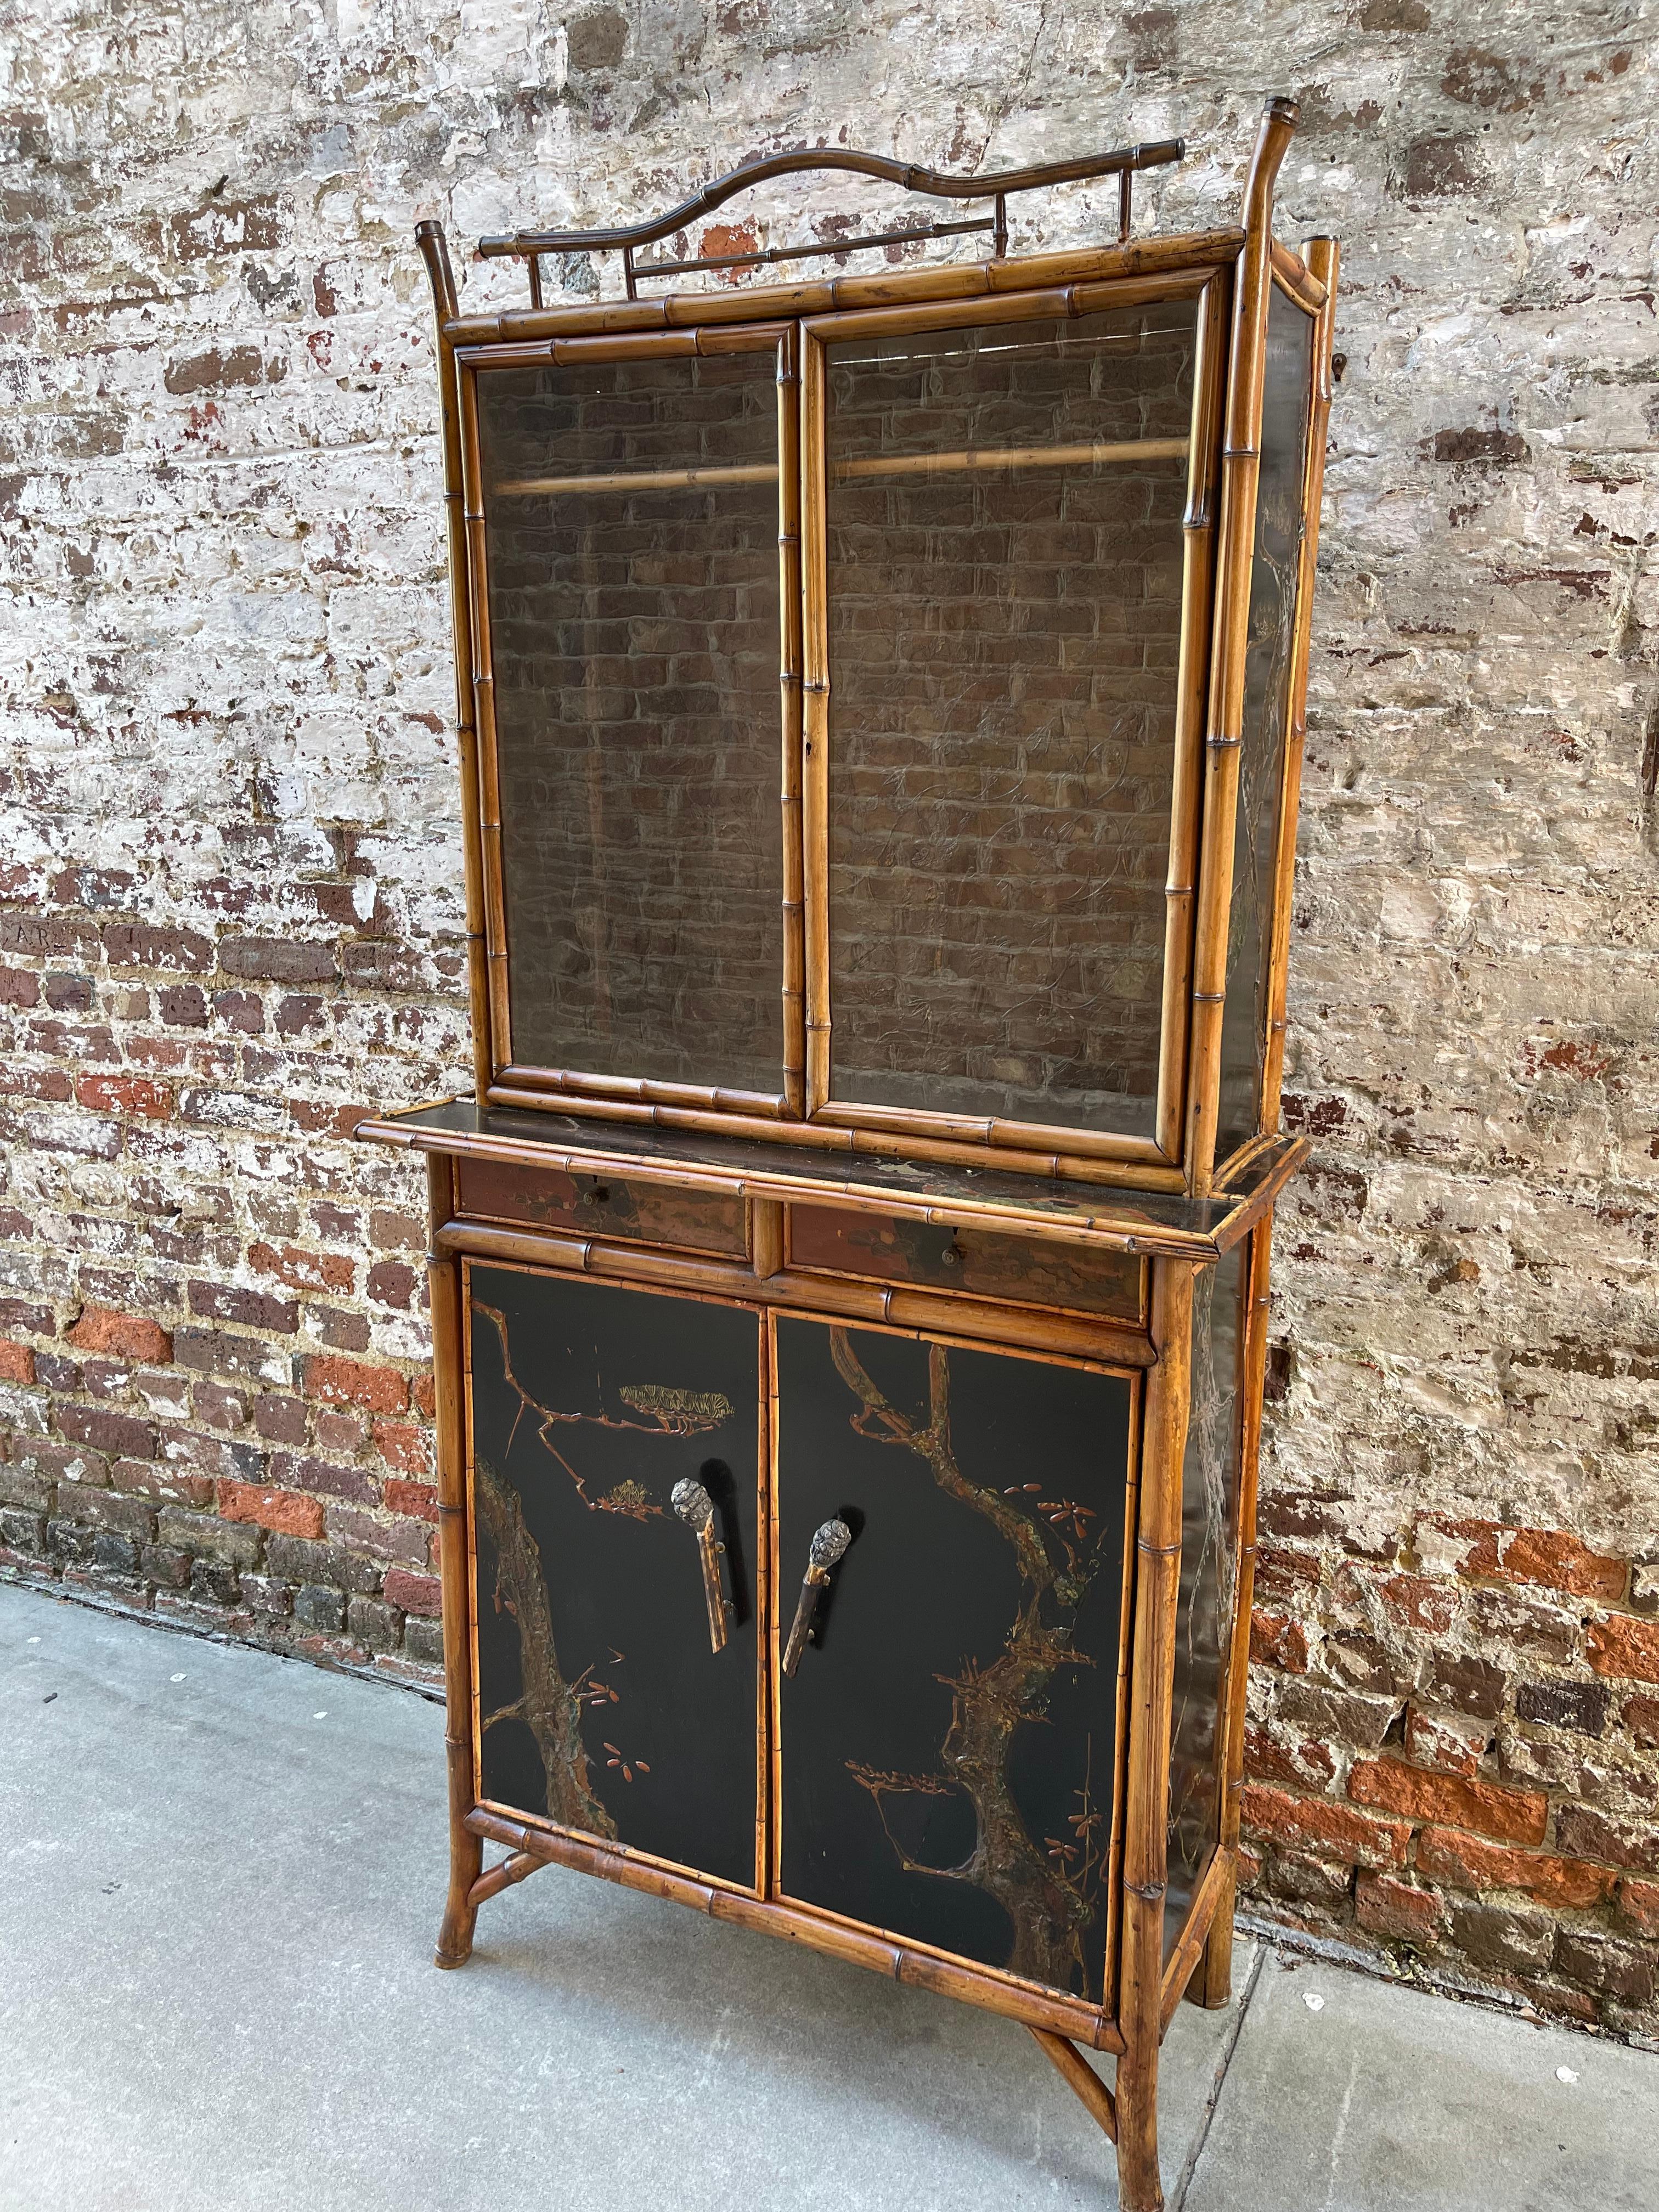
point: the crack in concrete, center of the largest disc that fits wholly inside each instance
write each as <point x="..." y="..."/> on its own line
<point x="1218" y="2081"/>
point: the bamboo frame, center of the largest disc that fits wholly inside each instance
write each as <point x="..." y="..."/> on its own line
<point x="1116" y="1230"/>
<point x="1324" y="260"/>
<point x="454" y="1525"/>
<point x="1241" y="464"/>
<point x="1157" y="1577"/>
<point x="815" y="743"/>
<point x="791" y="765"/>
<point x="1218" y="1951"/>
<point x="435" y="255"/>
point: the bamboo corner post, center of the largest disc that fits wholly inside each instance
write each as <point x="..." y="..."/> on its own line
<point x="698" y="1322"/>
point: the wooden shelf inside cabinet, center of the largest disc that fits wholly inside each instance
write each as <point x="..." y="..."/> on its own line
<point x="881" y="709"/>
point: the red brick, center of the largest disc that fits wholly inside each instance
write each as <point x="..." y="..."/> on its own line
<point x="284" y="1510"/>
<point x="1444" y="1856"/>
<point x="130" y="944"/>
<point x="1449" y="1743"/>
<point x="1317" y="1824"/>
<point x="392" y="1283"/>
<point x="348" y="1383"/>
<point x="404" y="1446"/>
<point x="1514" y="1816"/>
<point x="1393" y="1908"/>
<point x="1549" y="1557"/>
<point x="1620" y="1646"/>
<point x="1639" y="1902"/>
<point x="1591" y="1835"/>
<point x="19" y="986"/>
<point x="425" y="1394"/>
<point x="417" y="1499"/>
<point x="16" y="1362"/>
<point x="1276" y="1642"/>
<point x="303" y="1271"/>
<point x="414" y="1593"/>
<point x="1418" y="1602"/>
<point x="1641" y="1719"/>
<point x="123" y="1336"/>
<point x="124" y="1093"/>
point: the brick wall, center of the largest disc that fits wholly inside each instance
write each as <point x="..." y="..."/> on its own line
<point x="229" y="909"/>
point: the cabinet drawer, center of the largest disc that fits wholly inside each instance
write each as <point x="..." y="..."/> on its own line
<point x="1030" y="1272"/>
<point x="601" y="1206"/>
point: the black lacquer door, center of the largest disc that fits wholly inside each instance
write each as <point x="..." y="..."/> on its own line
<point x="602" y="1704"/>
<point x="949" y="1737"/>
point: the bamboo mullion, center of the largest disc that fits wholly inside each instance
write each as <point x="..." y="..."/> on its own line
<point x="789" y="587"/>
<point x="484" y="693"/>
<point x="445" y="1290"/>
<point x="436" y="253"/>
<point x="1218" y="1967"/>
<point x="1240" y="470"/>
<point x="1324" y="260"/>
<point x="815" y="746"/>
<point x="567" y="1085"/>
<point x="1197" y="584"/>
<point x="1146" y="1840"/>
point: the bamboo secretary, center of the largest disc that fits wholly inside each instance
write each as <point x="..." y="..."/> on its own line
<point x="880" y="710"/>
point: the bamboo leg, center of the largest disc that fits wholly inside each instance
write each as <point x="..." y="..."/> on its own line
<point x="465" y="1850"/>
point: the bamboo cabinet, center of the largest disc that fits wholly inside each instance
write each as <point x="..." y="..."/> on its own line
<point x="880" y="713"/>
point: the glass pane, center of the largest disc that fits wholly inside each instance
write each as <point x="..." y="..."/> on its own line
<point x="1267" y="717"/>
<point x="1004" y="618"/>
<point x="634" y="628"/>
<point x="1209" y="1512"/>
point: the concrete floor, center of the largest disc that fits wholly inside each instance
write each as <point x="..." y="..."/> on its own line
<point x="223" y="1873"/>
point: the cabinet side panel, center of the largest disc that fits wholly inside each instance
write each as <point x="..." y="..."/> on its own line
<point x="948" y="1743"/>
<point x="1275" y="573"/>
<point x="602" y="1705"/>
<point x="1208" y="1555"/>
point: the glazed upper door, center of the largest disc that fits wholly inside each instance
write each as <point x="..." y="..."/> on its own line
<point x="947" y="1755"/>
<point x="632" y="614"/>
<point x="603" y="1705"/>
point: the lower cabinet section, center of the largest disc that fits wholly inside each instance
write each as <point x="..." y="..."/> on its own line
<point x="939" y="1760"/>
<point x="947" y="1745"/>
<point x="602" y="1705"/>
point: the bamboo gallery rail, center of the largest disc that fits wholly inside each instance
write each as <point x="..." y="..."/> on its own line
<point x="705" y="1321"/>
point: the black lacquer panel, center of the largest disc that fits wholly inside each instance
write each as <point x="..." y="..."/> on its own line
<point x="948" y="1741"/>
<point x="1209" y="1527"/>
<point x="601" y="1704"/>
<point x="1273" y="577"/>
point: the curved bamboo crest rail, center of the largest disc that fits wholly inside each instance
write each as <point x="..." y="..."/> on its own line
<point x="1121" y="162"/>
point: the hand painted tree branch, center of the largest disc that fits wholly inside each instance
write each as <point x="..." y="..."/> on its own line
<point x="1048" y="1909"/>
<point x="550" y="1707"/>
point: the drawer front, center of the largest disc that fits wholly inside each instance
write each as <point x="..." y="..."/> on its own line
<point x="948" y="1741"/>
<point x="602" y="1205"/>
<point x="602" y="1703"/>
<point x="1028" y="1271"/>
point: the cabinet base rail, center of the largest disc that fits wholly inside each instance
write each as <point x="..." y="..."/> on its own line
<point x="1071" y="2018"/>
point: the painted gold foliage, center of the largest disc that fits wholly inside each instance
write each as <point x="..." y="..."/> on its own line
<point x="682" y="1412"/>
<point x="1049" y="1893"/>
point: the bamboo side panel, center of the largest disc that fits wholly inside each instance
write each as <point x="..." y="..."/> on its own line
<point x="1324" y="261"/>
<point x="435" y="252"/>
<point x="484" y="693"/>
<point x="1241" y="464"/>
<point x="1197" y="579"/>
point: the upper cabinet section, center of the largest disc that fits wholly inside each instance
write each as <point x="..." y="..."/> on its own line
<point x="880" y="700"/>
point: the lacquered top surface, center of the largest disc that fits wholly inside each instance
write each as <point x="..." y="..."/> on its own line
<point x="1130" y="1220"/>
